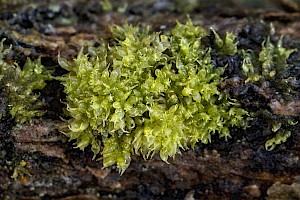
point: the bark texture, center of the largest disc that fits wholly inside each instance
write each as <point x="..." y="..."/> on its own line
<point x="38" y="162"/>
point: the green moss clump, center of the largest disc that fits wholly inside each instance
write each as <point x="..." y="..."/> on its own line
<point x="268" y="68"/>
<point x="228" y="45"/>
<point x="147" y="93"/>
<point x="270" y="64"/>
<point x="18" y="86"/>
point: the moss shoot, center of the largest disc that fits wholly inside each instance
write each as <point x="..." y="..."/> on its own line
<point x="148" y="93"/>
<point x="18" y="86"/>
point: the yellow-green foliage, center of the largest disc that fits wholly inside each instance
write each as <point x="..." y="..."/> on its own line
<point x="281" y="134"/>
<point x="272" y="60"/>
<point x="147" y="93"/>
<point x="270" y="66"/>
<point x="18" y="85"/>
<point x="228" y="45"/>
<point x="280" y="137"/>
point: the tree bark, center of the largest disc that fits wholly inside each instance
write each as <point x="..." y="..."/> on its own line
<point x="38" y="161"/>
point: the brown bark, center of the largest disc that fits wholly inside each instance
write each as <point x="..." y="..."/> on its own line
<point x="44" y="164"/>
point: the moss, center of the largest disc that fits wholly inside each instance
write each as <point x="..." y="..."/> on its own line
<point x="106" y="5"/>
<point x="228" y="45"/>
<point x="270" y="64"/>
<point x="146" y="93"/>
<point x="20" y="171"/>
<point x="19" y="86"/>
<point x="268" y="69"/>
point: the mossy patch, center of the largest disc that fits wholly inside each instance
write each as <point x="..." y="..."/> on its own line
<point x="147" y="93"/>
<point x="19" y="86"/>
